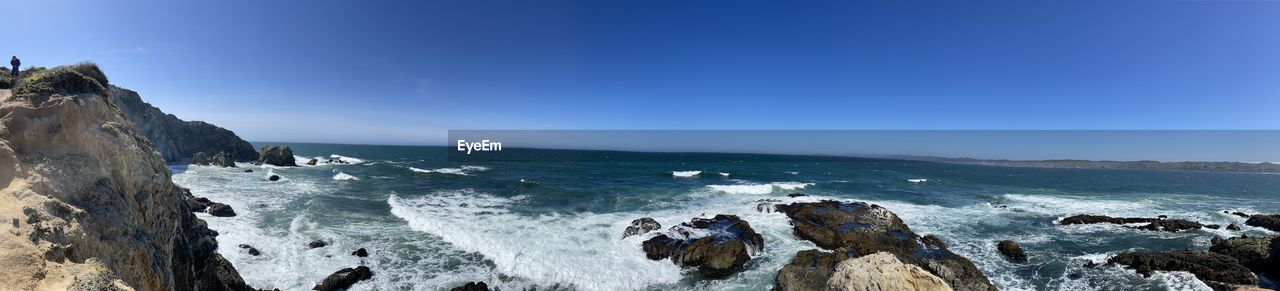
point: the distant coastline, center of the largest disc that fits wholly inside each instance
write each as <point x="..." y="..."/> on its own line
<point x="1243" y="167"/>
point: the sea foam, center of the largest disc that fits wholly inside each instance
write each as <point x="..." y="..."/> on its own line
<point x="758" y="188"/>
<point x="685" y="174"/>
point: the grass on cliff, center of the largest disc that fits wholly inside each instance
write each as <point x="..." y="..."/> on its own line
<point x="37" y="84"/>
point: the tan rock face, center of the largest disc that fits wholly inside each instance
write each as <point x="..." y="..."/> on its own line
<point x="882" y="271"/>
<point x="87" y="199"/>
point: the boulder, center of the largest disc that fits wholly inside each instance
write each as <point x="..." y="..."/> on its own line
<point x="472" y="286"/>
<point x="1260" y="254"/>
<point x="862" y="229"/>
<point x="882" y="272"/>
<point x="1271" y="222"/>
<point x="312" y="162"/>
<point x="360" y="253"/>
<point x="277" y="156"/>
<point x="1154" y="224"/>
<point x="1238" y="213"/>
<point x="273" y="178"/>
<point x="220" y="210"/>
<point x="252" y="251"/>
<point x="641" y="226"/>
<point x="1233" y="226"/>
<point x="343" y="279"/>
<point x="248" y="170"/>
<point x="808" y="270"/>
<point x="1210" y="267"/>
<point x="719" y="246"/>
<point x="1012" y="251"/>
<point x="797" y="194"/>
<point x="317" y="244"/>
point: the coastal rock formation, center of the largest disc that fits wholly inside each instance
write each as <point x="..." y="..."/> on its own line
<point x="641" y="226"/>
<point x="277" y="156"/>
<point x="1219" y="271"/>
<point x="252" y="251"/>
<point x="1260" y="254"/>
<point x="861" y="229"/>
<point x="88" y="199"/>
<point x="220" y="210"/>
<point x="472" y="286"/>
<point x="343" y="279"/>
<point x="1271" y="222"/>
<point x="316" y="244"/>
<point x="312" y="162"/>
<point x="719" y="246"/>
<point x="1153" y="224"/>
<point x="175" y="139"/>
<point x="808" y="270"/>
<point x="222" y="159"/>
<point x="882" y="272"/>
<point x="360" y="253"/>
<point x="1012" y="251"/>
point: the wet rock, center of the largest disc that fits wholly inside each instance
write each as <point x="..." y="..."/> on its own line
<point x="882" y="272"/>
<point x="220" y="210"/>
<point x="248" y="170"/>
<point x="199" y="204"/>
<point x="343" y="279"/>
<point x="1271" y="222"/>
<point x="862" y="229"/>
<point x="1238" y="213"/>
<point x="472" y="286"/>
<point x="277" y="156"/>
<point x="1210" y="267"/>
<point x="1212" y="226"/>
<point x="312" y="162"/>
<point x="1153" y="224"/>
<point x="641" y="226"/>
<point x="808" y="270"/>
<point x="719" y="246"/>
<point x="934" y="241"/>
<point x="252" y="251"/>
<point x="317" y="244"/>
<point x="1260" y="254"/>
<point x="767" y="205"/>
<point x="797" y="194"/>
<point x="360" y="253"/>
<point x="1233" y="226"/>
<point x="273" y="178"/>
<point x="1012" y="251"/>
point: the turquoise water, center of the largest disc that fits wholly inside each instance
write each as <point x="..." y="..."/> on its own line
<point x="431" y="224"/>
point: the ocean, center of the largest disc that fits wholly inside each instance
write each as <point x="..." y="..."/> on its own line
<point x="557" y="223"/>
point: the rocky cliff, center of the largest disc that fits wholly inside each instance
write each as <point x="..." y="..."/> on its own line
<point x="87" y="201"/>
<point x="179" y="140"/>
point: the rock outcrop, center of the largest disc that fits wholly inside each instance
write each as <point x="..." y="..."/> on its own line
<point x="1153" y="224"/>
<point x="343" y="279"/>
<point x="1219" y="271"/>
<point x="277" y="156"/>
<point x="641" y="226"/>
<point x="808" y="270"/>
<point x="472" y="286"/>
<point x="175" y="139"/>
<point x="1271" y="222"/>
<point x="87" y="198"/>
<point x="719" y="246"/>
<point x="1012" y="251"/>
<point x="860" y="229"/>
<point x="1260" y="254"/>
<point x="222" y="159"/>
<point x="882" y="272"/>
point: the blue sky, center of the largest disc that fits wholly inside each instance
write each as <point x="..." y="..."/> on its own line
<point x="405" y="72"/>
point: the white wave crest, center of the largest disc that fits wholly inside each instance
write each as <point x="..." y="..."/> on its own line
<point x="463" y="170"/>
<point x="685" y="174"/>
<point x="758" y="188"/>
<point x="349" y="160"/>
<point x="344" y="176"/>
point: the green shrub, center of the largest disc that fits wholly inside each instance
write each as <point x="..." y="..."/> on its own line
<point x="39" y="84"/>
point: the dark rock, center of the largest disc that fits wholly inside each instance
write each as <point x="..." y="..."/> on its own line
<point x="1154" y="224"/>
<point x="1207" y="266"/>
<point x="1212" y="226"/>
<point x="317" y="244"/>
<point x="220" y="210"/>
<point x="1271" y="222"/>
<point x="360" y="253"/>
<point x="1012" y="251"/>
<point x="178" y="140"/>
<point x="199" y="204"/>
<point x="252" y="251"/>
<point x="1162" y="216"/>
<point x="797" y="194"/>
<point x="248" y="170"/>
<point x="861" y="229"/>
<point x="277" y="156"/>
<point x="722" y="252"/>
<point x="1233" y="226"/>
<point x="933" y="241"/>
<point x="343" y="279"/>
<point x="472" y="286"/>
<point x="641" y="226"/>
<point x="222" y="159"/>
<point x="767" y="207"/>
<point x="808" y="270"/>
<point x="1260" y="254"/>
<point x="273" y="178"/>
<point x="1238" y="213"/>
<point x="312" y="162"/>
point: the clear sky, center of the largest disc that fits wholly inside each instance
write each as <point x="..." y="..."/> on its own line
<point x="385" y="72"/>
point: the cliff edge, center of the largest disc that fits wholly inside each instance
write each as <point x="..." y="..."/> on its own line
<point x="179" y="140"/>
<point x="87" y="201"/>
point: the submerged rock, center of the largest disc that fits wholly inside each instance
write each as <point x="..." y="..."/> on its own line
<point x="312" y="162"/>
<point x="220" y="210"/>
<point x="862" y="229"/>
<point x="1154" y="224"/>
<point x="360" y="253"/>
<point x="273" y="178"/>
<point x="1012" y="251"/>
<point x="641" y="226"/>
<point x="252" y="251"/>
<point x="1212" y="268"/>
<point x="719" y="246"/>
<point x="1233" y="226"/>
<point x="317" y="244"/>
<point x="882" y="272"/>
<point x="277" y="156"/>
<point x="797" y="194"/>
<point x="1271" y="222"/>
<point x="472" y="286"/>
<point x="343" y="279"/>
<point x="248" y="170"/>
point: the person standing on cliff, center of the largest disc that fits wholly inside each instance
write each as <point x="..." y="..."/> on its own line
<point x="15" y="62"/>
